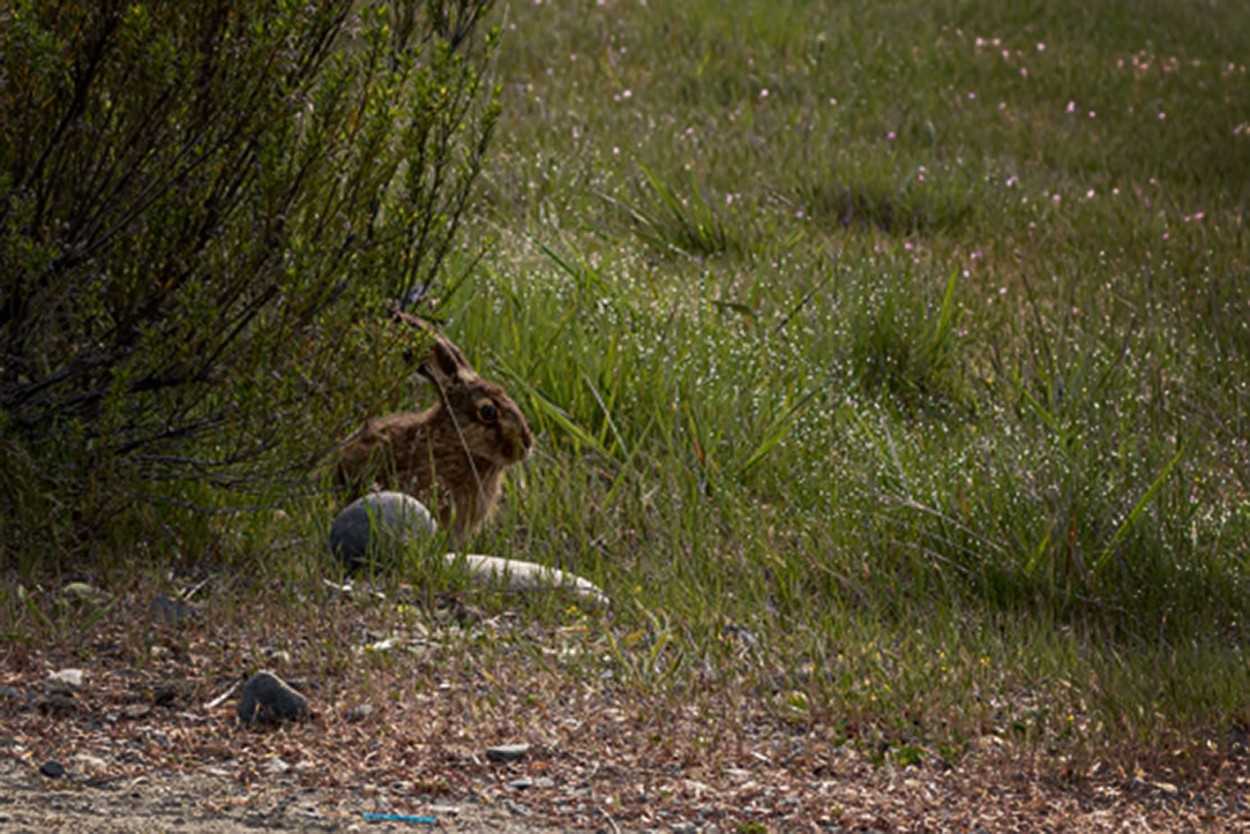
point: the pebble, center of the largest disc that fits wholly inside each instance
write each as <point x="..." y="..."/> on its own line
<point x="277" y="765"/>
<point x="63" y="682"/>
<point x="507" y="752"/>
<point x="52" y="769"/>
<point x="267" y="699"/>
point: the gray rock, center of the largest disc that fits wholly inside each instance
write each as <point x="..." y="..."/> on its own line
<point x="277" y="766"/>
<point x="63" y="682"/>
<point x="507" y="752"/>
<point x="373" y="527"/>
<point x="267" y="699"/>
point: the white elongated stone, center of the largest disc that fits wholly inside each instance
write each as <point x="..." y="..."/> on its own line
<point x="518" y="575"/>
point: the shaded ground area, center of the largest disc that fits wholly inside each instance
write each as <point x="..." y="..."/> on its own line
<point x="146" y="738"/>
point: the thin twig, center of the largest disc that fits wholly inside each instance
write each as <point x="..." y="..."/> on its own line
<point x="221" y="699"/>
<point x="611" y="821"/>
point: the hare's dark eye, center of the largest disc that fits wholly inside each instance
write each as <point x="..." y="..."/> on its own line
<point x="488" y="413"/>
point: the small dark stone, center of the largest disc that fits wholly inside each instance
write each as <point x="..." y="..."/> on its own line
<point x="52" y="769"/>
<point x="165" y="694"/>
<point x="267" y="699"/>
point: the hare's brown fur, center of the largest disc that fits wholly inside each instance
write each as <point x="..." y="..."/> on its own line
<point x="450" y="456"/>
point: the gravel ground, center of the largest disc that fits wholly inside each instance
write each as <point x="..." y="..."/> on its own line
<point x="200" y="803"/>
<point x="133" y="727"/>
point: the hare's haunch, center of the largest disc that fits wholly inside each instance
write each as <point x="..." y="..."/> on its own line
<point x="451" y="456"/>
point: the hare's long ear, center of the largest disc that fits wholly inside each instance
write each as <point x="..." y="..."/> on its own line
<point x="445" y="365"/>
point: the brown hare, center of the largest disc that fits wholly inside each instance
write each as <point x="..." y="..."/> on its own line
<point x="451" y="456"/>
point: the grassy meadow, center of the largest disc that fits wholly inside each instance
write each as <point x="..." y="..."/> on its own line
<point x="888" y="362"/>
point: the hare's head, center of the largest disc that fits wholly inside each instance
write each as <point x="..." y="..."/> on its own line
<point x="485" y="420"/>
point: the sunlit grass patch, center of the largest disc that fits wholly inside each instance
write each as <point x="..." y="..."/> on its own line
<point x="907" y="208"/>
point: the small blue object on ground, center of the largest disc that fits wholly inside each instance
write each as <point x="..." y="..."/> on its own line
<point x="399" y="818"/>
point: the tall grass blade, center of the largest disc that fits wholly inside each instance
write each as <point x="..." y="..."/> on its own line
<point x="1134" y="516"/>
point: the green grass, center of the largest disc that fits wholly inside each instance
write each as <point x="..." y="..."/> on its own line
<point x="905" y="339"/>
<point x="890" y="361"/>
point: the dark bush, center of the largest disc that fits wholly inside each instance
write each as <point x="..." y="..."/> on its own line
<point x="202" y="207"/>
